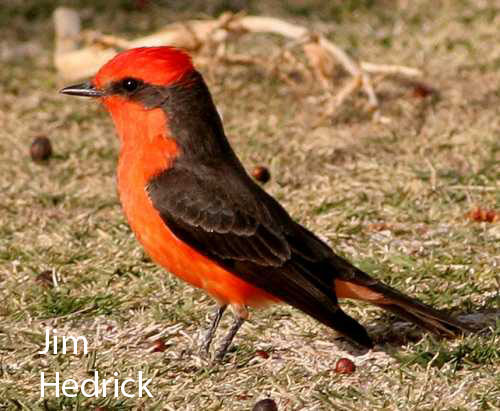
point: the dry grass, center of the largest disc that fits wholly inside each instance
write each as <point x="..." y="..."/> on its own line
<point x="392" y="197"/>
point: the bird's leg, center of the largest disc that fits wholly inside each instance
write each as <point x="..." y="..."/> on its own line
<point x="209" y="336"/>
<point x="226" y="342"/>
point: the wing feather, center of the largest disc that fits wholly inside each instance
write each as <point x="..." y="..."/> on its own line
<point x="230" y="225"/>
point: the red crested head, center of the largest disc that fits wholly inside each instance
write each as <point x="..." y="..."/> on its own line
<point x="153" y="65"/>
<point x="131" y="85"/>
<point x="154" y="96"/>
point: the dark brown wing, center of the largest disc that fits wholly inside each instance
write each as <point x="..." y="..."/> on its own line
<point x="223" y="214"/>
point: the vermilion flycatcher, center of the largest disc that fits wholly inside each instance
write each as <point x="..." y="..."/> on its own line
<point x="198" y="214"/>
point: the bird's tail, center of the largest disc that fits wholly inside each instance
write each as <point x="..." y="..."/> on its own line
<point x="362" y="287"/>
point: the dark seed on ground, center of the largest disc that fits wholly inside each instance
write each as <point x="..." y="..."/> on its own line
<point x="41" y="149"/>
<point x="261" y="173"/>
<point x="345" y="366"/>
<point x="266" y="404"/>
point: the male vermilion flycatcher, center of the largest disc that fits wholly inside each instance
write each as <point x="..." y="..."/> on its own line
<point x="198" y="214"/>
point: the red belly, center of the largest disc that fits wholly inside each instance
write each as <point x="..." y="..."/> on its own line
<point x="162" y="245"/>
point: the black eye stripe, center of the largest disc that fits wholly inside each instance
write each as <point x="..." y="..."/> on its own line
<point x="135" y="89"/>
<point x="130" y="84"/>
<point x="126" y="86"/>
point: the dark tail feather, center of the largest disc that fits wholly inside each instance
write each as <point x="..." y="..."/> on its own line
<point x="428" y="323"/>
<point x="351" y="282"/>
<point x="417" y="312"/>
<point x="349" y="327"/>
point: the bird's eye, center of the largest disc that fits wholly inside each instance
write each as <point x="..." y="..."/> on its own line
<point x="130" y="84"/>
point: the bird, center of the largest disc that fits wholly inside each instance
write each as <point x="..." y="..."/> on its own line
<point x="199" y="215"/>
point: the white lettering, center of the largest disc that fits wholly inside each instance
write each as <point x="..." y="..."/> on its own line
<point x="89" y="387"/>
<point x="55" y="341"/>
<point x="116" y="385"/>
<point x="64" y="388"/>
<point x="75" y="344"/>
<point x="104" y="386"/>
<point x="95" y="382"/>
<point x="123" y="387"/>
<point x="47" y="343"/>
<point x="44" y="384"/>
<point x="144" y="387"/>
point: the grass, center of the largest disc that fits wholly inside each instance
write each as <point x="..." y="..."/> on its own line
<point x="392" y="197"/>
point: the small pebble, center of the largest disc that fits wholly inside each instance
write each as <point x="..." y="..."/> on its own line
<point x="159" y="346"/>
<point x="422" y="91"/>
<point x="262" y="354"/>
<point x="44" y="279"/>
<point x="261" y="173"/>
<point x="266" y="404"/>
<point x="345" y="366"/>
<point x="41" y="149"/>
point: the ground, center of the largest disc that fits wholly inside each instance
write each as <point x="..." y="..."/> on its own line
<point x="392" y="196"/>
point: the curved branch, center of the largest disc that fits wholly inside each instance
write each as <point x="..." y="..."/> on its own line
<point x="74" y="62"/>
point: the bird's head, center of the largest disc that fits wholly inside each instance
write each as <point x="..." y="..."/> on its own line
<point x="130" y="75"/>
<point x="135" y="85"/>
<point x="154" y="92"/>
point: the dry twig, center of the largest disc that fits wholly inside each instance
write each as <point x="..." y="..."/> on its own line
<point x="74" y="61"/>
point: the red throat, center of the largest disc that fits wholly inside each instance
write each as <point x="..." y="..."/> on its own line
<point x="146" y="145"/>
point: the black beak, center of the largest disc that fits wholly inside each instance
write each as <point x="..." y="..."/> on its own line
<point x="86" y="89"/>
